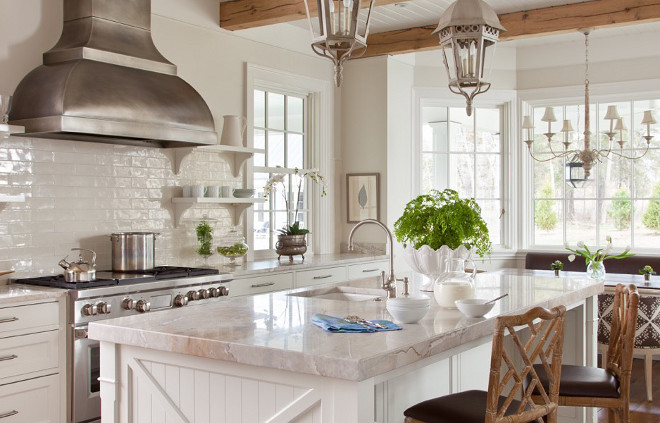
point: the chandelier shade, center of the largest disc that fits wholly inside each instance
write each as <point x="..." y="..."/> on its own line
<point x="466" y="29"/>
<point x="337" y="32"/>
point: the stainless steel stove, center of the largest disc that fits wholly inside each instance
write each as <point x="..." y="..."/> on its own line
<point x="122" y="294"/>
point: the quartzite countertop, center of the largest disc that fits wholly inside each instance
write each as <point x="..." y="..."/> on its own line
<point x="17" y="293"/>
<point x="274" y="330"/>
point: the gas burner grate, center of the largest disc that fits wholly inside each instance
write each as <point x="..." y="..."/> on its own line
<point x="170" y="272"/>
<point x="57" y="281"/>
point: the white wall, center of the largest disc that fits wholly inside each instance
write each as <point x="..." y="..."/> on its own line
<point x="78" y="193"/>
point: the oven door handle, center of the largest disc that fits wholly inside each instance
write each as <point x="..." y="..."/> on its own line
<point x="80" y="334"/>
<point x="9" y="414"/>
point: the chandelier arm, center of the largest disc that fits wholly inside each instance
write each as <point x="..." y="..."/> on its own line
<point x="646" y="150"/>
<point x="566" y="154"/>
<point x="560" y="155"/>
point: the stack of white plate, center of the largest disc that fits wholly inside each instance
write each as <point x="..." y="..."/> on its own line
<point x="408" y="309"/>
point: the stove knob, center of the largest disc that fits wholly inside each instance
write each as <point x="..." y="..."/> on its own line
<point x="128" y="304"/>
<point x="180" y="300"/>
<point x="142" y="306"/>
<point x="203" y="294"/>
<point x="89" y="310"/>
<point x="214" y="292"/>
<point x="103" y="308"/>
<point x="192" y="295"/>
<point x="224" y="291"/>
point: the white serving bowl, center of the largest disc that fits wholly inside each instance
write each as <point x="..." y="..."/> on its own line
<point x="408" y="309"/>
<point x="243" y="193"/>
<point x="474" y="307"/>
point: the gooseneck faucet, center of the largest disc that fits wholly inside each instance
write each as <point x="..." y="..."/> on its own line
<point x="390" y="284"/>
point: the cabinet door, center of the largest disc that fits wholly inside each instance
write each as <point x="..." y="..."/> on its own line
<point x="28" y="355"/>
<point x="31" y="401"/>
<point x="19" y="320"/>
<point x="367" y="270"/>
<point x="321" y="276"/>
<point x="260" y="284"/>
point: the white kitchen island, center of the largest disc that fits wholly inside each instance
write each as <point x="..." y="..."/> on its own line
<point x="259" y="359"/>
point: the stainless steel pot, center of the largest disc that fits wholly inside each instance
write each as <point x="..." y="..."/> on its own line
<point x="133" y="251"/>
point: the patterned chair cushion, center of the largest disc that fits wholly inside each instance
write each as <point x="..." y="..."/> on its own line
<point x="647" y="334"/>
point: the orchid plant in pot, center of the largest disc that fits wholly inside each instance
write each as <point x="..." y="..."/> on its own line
<point x="292" y="237"/>
<point x="594" y="259"/>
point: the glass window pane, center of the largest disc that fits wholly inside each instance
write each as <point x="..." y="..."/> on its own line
<point x="260" y="142"/>
<point x="461" y="130"/>
<point x="461" y="174"/>
<point x="295" y="151"/>
<point x="581" y="221"/>
<point x="548" y="222"/>
<point x="275" y="111"/>
<point x="295" y="114"/>
<point x="490" y="211"/>
<point x="488" y="130"/>
<point x="488" y="167"/>
<point x="548" y="178"/>
<point x="615" y="220"/>
<point x="260" y="180"/>
<point x="614" y="178"/>
<point x="435" y="137"/>
<point x="259" y="108"/>
<point x="647" y="223"/>
<point x="647" y="175"/>
<point x="275" y="149"/>
<point x="280" y="220"/>
<point x="434" y="171"/>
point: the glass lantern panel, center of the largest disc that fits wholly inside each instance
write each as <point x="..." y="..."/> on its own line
<point x="450" y="62"/>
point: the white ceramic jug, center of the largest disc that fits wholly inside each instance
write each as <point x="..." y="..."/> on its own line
<point x="233" y="130"/>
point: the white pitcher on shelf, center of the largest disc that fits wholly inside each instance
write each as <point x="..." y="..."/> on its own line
<point x="233" y="130"/>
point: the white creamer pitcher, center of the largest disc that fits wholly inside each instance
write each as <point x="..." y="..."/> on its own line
<point x="233" y="130"/>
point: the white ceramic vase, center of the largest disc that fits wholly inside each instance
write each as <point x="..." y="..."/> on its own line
<point x="432" y="263"/>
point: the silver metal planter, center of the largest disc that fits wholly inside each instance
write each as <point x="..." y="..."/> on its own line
<point x="291" y="245"/>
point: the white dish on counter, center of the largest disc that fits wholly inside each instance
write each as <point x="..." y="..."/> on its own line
<point x="474" y="307"/>
<point x="408" y="309"/>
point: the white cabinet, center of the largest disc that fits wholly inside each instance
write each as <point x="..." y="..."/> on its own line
<point x="321" y="276"/>
<point x="367" y="270"/>
<point x="33" y="362"/>
<point x="252" y="285"/>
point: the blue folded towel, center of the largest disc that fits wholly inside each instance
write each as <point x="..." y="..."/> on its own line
<point x="337" y="324"/>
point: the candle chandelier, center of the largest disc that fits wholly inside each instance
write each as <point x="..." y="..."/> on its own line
<point x="340" y="36"/>
<point x="581" y="162"/>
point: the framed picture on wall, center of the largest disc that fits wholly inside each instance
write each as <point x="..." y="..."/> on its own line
<point x="362" y="196"/>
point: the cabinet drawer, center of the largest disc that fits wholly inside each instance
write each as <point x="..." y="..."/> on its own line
<point x="28" y="318"/>
<point x="28" y="354"/>
<point x="35" y="400"/>
<point x="260" y="284"/>
<point x="320" y="276"/>
<point x="367" y="270"/>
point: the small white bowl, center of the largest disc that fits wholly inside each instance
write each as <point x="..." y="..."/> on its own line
<point x="408" y="309"/>
<point x="474" y="307"/>
<point x="243" y="192"/>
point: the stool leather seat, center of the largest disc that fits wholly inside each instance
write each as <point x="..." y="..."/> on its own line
<point x="463" y="407"/>
<point x="583" y="381"/>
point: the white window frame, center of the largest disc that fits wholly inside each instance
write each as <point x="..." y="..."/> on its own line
<point x="506" y="99"/>
<point x="319" y="130"/>
<point x="560" y="96"/>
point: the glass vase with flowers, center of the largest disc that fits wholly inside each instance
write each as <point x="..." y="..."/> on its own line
<point x="594" y="259"/>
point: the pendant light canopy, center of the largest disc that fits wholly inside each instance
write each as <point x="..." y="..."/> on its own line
<point x="338" y="34"/>
<point x="466" y="29"/>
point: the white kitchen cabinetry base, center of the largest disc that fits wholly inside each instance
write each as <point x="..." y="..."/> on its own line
<point x="32" y="401"/>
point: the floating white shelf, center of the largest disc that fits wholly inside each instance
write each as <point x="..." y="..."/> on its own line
<point x="240" y="155"/>
<point x="12" y="198"/>
<point x="7" y="130"/>
<point x="236" y="206"/>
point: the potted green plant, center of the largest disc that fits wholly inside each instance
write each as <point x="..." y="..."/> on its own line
<point x="437" y="226"/>
<point x="557" y="265"/>
<point x="647" y="271"/>
<point x="204" y="233"/>
<point x="291" y="239"/>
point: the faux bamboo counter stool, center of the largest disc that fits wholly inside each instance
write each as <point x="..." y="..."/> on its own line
<point x="582" y="386"/>
<point x="499" y="404"/>
<point x="647" y="336"/>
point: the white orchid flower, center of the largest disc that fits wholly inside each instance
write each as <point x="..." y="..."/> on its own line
<point x="571" y="257"/>
<point x="608" y="239"/>
<point x="566" y="245"/>
<point x="627" y="249"/>
<point x="580" y="244"/>
<point x="607" y="250"/>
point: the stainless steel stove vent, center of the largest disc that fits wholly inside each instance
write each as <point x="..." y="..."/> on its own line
<point x="105" y="81"/>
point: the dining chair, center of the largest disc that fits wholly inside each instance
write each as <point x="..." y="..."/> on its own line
<point x="647" y="335"/>
<point x="609" y="387"/>
<point x="507" y="399"/>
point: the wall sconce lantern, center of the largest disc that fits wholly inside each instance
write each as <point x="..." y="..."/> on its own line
<point x="340" y="36"/>
<point x="467" y="28"/>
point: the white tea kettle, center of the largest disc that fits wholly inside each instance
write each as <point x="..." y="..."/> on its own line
<point x="81" y="270"/>
<point x="233" y="130"/>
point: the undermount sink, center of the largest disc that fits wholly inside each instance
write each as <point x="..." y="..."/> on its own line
<point x="343" y="293"/>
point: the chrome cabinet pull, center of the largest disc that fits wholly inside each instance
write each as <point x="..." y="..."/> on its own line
<point x="370" y="270"/>
<point x="9" y="320"/>
<point x="261" y="285"/>
<point x="8" y="357"/>
<point x="11" y="413"/>
<point x="323" y="277"/>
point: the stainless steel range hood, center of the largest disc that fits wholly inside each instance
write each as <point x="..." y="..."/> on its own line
<point x="105" y="81"/>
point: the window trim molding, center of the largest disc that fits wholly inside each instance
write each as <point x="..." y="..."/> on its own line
<point x="320" y="132"/>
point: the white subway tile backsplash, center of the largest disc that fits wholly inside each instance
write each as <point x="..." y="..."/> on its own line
<point x="78" y="193"/>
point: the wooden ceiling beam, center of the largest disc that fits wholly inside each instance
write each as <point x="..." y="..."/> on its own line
<point x="549" y="20"/>
<point x="244" y="14"/>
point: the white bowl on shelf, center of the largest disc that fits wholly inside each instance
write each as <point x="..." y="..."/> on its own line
<point x="474" y="307"/>
<point x="243" y="192"/>
<point x="408" y="309"/>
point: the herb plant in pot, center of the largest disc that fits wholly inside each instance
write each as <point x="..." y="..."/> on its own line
<point x="439" y="226"/>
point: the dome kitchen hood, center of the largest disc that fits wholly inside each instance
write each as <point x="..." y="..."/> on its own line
<point x="105" y="81"/>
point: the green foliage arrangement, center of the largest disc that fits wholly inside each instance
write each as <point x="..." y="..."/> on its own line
<point x="238" y="249"/>
<point x="442" y="218"/>
<point x="294" y="229"/>
<point x="620" y="209"/>
<point x="557" y="265"/>
<point x="651" y="218"/>
<point x="204" y="233"/>
<point x="646" y="270"/>
<point x="544" y="216"/>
